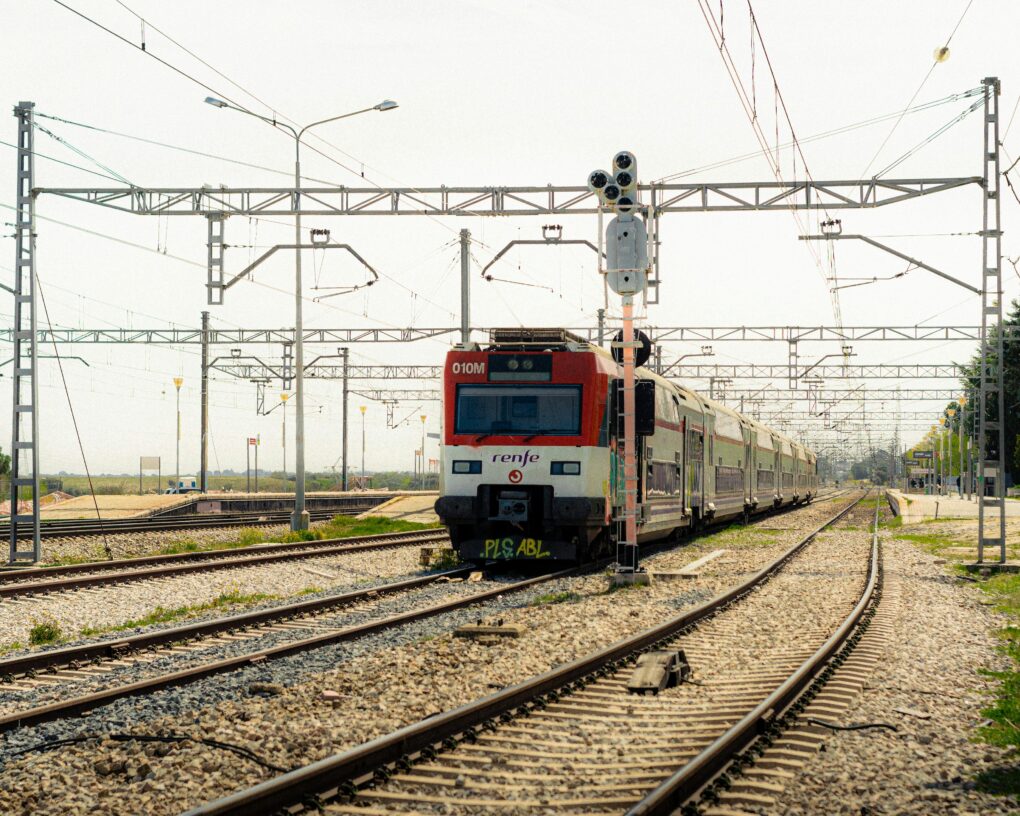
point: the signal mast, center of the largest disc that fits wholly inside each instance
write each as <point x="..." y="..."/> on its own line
<point x="626" y="273"/>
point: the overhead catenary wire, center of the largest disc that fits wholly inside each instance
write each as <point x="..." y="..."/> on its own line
<point x="916" y="93"/>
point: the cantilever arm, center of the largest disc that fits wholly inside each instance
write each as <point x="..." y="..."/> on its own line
<point x="892" y="251"/>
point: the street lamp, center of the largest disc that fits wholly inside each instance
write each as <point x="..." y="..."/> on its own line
<point x="178" y="382"/>
<point x="964" y="451"/>
<point x="423" y="418"/>
<point x="299" y="520"/>
<point x="363" y="409"/>
<point x="283" y="398"/>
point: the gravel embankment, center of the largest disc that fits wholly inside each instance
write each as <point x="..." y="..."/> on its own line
<point x="943" y="636"/>
<point x="117" y="603"/>
<point x="382" y="682"/>
<point x="127" y="545"/>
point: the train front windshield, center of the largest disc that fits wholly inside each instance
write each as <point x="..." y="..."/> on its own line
<point x="553" y="410"/>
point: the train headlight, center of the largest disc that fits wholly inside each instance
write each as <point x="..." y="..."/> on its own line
<point x="565" y="468"/>
<point x="512" y="365"/>
<point x="467" y="466"/>
<point x="527" y="365"/>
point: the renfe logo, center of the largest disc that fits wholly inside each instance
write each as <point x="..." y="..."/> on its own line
<point x="468" y="368"/>
<point x="516" y="458"/>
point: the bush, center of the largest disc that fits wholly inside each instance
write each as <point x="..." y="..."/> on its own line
<point x="44" y="632"/>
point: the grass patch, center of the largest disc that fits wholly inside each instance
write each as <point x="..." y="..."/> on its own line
<point x="177" y="548"/>
<point x="163" y="615"/>
<point x="310" y="590"/>
<point x="891" y="524"/>
<point x="250" y="536"/>
<point x="11" y="647"/>
<point x="555" y="598"/>
<point x="44" y="633"/>
<point x="623" y="588"/>
<point x="346" y="526"/>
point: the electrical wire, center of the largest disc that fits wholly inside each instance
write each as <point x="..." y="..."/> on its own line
<point x="39" y="155"/>
<point x="74" y="422"/>
<point x="924" y="81"/>
<point x="823" y="135"/>
<point x="82" y="153"/>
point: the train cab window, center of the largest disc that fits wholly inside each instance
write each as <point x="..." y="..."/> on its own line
<point x="518" y="409"/>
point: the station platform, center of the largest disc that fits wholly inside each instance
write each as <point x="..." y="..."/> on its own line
<point x="414" y="507"/>
<point x="917" y="507"/>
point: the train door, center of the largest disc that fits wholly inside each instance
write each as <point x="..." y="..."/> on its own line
<point x="695" y="453"/>
<point x="748" y="447"/>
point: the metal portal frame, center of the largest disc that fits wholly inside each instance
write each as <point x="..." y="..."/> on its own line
<point x="657" y="334"/>
<point x="549" y="199"/>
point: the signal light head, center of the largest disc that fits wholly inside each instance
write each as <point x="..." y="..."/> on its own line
<point x="625" y="204"/>
<point x="624" y="179"/>
<point x="610" y="192"/>
<point x="624" y="160"/>
<point x="598" y="180"/>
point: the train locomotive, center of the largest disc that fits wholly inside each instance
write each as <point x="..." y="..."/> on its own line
<point x="530" y="468"/>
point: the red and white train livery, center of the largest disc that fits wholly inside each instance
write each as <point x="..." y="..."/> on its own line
<point x="530" y="469"/>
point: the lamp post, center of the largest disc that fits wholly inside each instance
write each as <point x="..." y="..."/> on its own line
<point x="284" y="397"/>
<point x="178" y="382"/>
<point x="423" y="418"/>
<point x="964" y="464"/>
<point x="363" y="409"/>
<point x="299" y="520"/>
<point x="951" y="412"/>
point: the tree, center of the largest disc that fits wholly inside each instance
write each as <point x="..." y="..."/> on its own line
<point x="1011" y="387"/>
<point x="5" y="464"/>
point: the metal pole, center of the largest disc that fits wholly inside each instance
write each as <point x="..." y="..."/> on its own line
<point x="959" y="445"/>
<point x="630" y="554"/>
<point x="25" y="394"/>
<point x="299" y="521"/>
<point x="247" y="461"/>
<point x="257" y="464"/>
<point x="602" y="326"/>
<point x="345" y="353"/>
<point x="423" y="452"/>
<point x="178" y="382"/>
<point x="363" y="447"/>
<point x="203" y="476"/>
<point x="284" y="490"/>
<point x="465" y="286"/>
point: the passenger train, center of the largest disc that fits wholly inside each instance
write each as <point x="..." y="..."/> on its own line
<point x="529" y="464"/>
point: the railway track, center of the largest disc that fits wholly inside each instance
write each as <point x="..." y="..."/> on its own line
<point x="574" y="740"/>
<point x="40" y="580"/>
<point x="91" y="661"/>
<point x="65" y="528"/>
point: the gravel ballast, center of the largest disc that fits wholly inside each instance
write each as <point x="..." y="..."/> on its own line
<point x="380" y="683"/>
<point x="943" y="636"/>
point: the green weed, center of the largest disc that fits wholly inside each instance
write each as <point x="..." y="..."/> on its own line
<point x="555" y="598"/>
<point x="249" y="536"/>
<point x="163" y="615"/>
<point x="44" y="632"/>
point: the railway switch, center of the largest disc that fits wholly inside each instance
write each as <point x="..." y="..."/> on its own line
<point x="659" y="670"/>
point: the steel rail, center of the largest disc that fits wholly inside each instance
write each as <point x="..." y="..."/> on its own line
<point x="357" y="766"/>
<point x="66" y="528"/>
<point x="716" y="758"/>
<point x="77" y="705"/>
<point x="14" y="589"/>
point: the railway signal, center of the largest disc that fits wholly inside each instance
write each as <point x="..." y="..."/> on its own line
<point x="626" y="273"/>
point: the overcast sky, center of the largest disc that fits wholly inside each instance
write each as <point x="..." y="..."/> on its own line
<point x="490" y="93"/>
